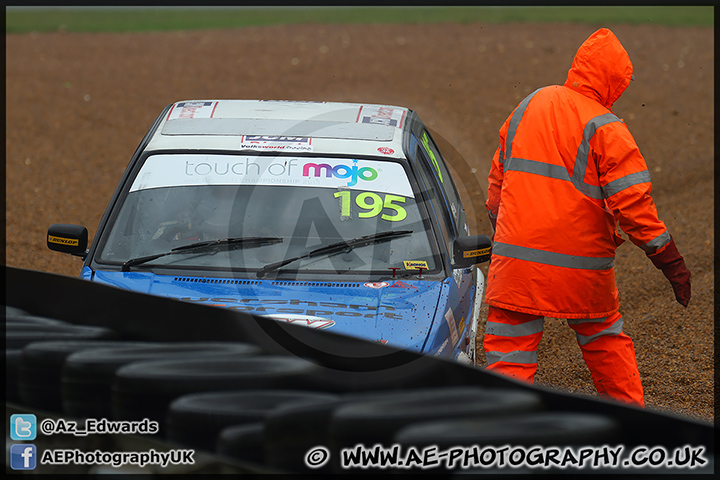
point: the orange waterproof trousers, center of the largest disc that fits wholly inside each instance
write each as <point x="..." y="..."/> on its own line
<point x="511" y="344"/>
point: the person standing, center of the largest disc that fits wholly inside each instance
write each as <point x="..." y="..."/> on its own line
<point x="566" y="173"/>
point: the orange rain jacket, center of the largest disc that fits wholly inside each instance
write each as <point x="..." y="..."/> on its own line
<point x="566" y="170"/>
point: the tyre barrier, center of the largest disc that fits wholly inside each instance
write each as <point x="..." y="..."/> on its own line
<point x="197" y="419"/>
<point x="372" y="417"/>
<point x="41" y="365"/>
<point x="243" y="442"/>
<point x="370" y="381"/>
<point x="544" y="429"/>
<point x="378" y="420"/>
<point x="88" y="375"/>
<point x="525" y="430"/>
<point x="291" y="430"/>
<point x="27" y="319"/>
<point x="18" y="335"/>
<point x="371" y="375"/>
<point x="146" y="389"/>
<point x="14" y="311"/>
<point x="12" y="365"/>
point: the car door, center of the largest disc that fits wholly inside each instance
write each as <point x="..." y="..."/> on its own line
<point x="454" y="310"/>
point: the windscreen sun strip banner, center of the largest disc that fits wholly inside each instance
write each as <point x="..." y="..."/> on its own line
<point x="167" y="170"/>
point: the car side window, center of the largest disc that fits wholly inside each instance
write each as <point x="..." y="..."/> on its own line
<point x="443" y="177"/>
<point x="435" y="197"/>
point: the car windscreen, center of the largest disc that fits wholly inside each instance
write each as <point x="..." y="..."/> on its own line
<point x="303" y="203"/>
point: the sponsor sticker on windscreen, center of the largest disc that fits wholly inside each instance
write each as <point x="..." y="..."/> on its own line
<point x="167" y="170"/>
<point x="415" y="264"/>
<point x="381" y="115"/>
<point x="266" y="142"/>
<point x="196" y="109"/>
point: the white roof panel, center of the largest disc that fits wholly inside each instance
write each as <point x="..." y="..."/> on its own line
<point x="278" y="128"/>
<point x="321" y="127"/>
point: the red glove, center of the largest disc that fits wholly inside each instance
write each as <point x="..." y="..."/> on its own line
<point x="672" y="265"/>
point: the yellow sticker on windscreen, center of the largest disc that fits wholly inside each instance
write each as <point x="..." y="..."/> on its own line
<point x="415" y="264"/>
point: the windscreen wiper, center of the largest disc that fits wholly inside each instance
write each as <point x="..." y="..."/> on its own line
<point x="240" y="242"/>
<point x="345" y="245"/>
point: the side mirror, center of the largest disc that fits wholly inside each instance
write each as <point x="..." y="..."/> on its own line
<point x="66" y="238"/>
<point x="471" y="250"/>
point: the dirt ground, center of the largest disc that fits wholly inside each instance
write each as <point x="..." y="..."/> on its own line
<point x="79" y="104"/>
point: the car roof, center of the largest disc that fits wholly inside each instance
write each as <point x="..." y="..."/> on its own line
<point x="282" y="126"/>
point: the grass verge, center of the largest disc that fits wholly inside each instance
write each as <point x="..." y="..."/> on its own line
<point x="145" y="19"/>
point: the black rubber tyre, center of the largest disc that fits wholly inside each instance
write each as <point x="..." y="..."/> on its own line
<point x="88" y="375"/>
<point x="27" y="319"/>
<point x="14" y="311"/>
<point x="242" y="442"/>
<point x="391" y="372"/>
<point x="20" y="335"/>
<point x="523" y="430"/>
<point x="196" y="420"/>
<point x="41" y="366"/>
<point x="292" y="430"/>
<point x="377" y="421"/>
<point x="145" y="389"/>
<point x="542" y="429"/>
<point x="12" y="368"/>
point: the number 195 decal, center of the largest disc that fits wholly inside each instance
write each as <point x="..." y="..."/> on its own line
<point x="372" y="205"/>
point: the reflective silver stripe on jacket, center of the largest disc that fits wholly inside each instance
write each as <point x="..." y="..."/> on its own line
<point x="518" y="356"/>
<point x="615" y="329"/>
<point x="506" y="330"/>
<point x="657" y="242"/>
<point x="515" y="121"/>
<point x="627" y="181"/>
<point x="582" y="156"/>
<point x="552" y="258"/>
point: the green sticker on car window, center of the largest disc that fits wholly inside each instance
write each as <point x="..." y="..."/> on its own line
<point x="371" y="205"/>
<point x="426" y="144"/>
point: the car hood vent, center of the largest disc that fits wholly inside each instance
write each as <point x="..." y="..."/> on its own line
<point x="229" y="281"/>
<point x="216" y="281"/>
<point x="316" y="284"/>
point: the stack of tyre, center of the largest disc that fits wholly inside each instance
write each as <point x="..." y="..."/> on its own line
<point x="279" y="412"/>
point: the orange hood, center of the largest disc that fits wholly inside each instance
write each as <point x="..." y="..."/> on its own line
<point x="601" y="69"/>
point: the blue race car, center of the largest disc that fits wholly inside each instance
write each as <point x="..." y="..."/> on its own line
<point x="335" y="216"/>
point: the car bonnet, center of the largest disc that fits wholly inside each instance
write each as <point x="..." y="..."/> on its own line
<point x="396" y="312"/>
